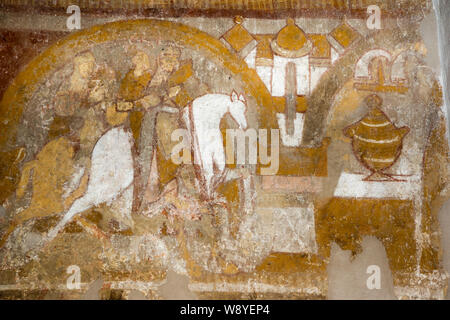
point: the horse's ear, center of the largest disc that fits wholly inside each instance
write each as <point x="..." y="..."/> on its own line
<point x="242" y="98"/>
<point x="234" y="96"/>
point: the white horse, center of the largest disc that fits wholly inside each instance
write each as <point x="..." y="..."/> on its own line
<point x="112" y="170"/>
<point x="202" y="118"/>
<point x="111" y="176"/>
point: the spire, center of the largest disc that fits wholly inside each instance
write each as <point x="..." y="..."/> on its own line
<point x="238" y="38"/>
<point x="343" y="36"/>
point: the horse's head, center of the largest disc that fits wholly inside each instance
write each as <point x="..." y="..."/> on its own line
<point x="238" y="107"/>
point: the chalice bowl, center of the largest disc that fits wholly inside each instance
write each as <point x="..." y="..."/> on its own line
<point x="376" y="141"/>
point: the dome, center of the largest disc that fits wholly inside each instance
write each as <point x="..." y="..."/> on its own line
<point x="291" y="41"/>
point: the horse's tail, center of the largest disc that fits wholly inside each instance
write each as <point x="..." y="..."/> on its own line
<point x="52" y="233"/>
<point x="78" y="206"/>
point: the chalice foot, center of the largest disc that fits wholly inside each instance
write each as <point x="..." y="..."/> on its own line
<point x="379" y="176"/>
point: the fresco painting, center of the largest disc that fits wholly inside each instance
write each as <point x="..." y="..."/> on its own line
<point x="232" y="145"/>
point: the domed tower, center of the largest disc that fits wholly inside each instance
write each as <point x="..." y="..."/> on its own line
<point x="291" y="50"/>
<point x="291" y="78"/>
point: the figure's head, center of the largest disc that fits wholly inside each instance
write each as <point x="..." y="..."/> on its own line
<point x="426" y="88"/>
<point x="142" y="62"/>
<point x="101" y="85"/>
<point x="238" y="108"/>
<point x="84" y="64"/>
<point x="168" y="59"/>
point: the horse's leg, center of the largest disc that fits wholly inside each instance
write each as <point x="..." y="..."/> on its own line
<point x="200" y="153"/>
<point x="219" y="163"/>
<point x="123" y="206"/>
<point x="207" y="170"/>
